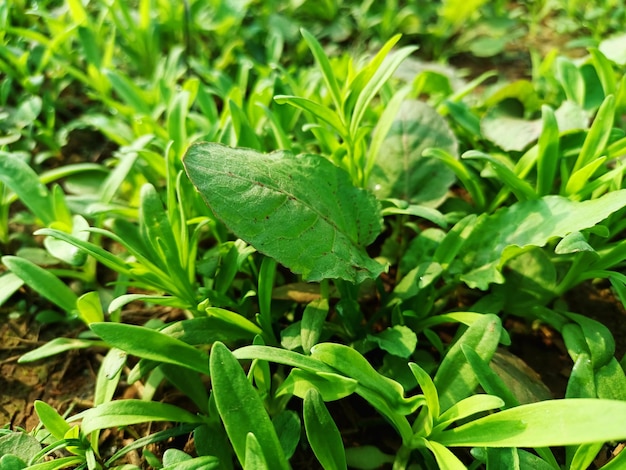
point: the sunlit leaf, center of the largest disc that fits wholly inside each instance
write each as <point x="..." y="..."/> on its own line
<point x="303" y="211"/>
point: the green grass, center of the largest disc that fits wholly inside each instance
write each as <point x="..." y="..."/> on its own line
<point x="312" y="187"/>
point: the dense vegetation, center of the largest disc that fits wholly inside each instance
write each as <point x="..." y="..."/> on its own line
<point x="329" y="211"/>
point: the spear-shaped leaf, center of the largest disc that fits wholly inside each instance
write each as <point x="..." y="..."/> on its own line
<point x="301" y="210"/>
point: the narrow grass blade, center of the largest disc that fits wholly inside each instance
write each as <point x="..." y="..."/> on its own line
<point x="324" y="65"/>
<point x="598" y="135"/>
<point x="548" y="153"/>
<point x="44" y="282"/>
<point x="470" y="182"/>
<point x="321" y="112"/>
<point x="521" y="188"/>
<point x="57" y="346"/>
<point x="380" y="77"/>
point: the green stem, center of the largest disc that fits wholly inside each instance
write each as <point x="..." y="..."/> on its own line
<point x="402" y="458"/>
<point x="573" y="275"/>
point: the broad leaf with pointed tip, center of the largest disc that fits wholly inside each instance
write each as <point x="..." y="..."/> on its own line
<point x="498" y="237"/>
<point x="301" y="210"/>
<point x="401" y="171"/>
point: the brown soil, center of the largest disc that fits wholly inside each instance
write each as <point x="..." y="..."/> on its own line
<point x="65" y="381"/>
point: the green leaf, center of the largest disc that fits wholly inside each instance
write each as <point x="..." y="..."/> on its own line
<point x="574" y="242"/>
<point x="189" y="382"/>
<point x="521" y="188"/>
<point x="99" y="253"/>
<point x="52" y="420"/>
<point x="66" y="251"/>
<point x="398" y="340"/>
<point x="56" y="346"/>
<point x="282" y="356"/>
<point x="598" y="135"/>
<point x="324" y="65"/>
<point x="581" y="178"/>
<point x="89" y="44"/>
<point x="211" y="439"/>
<point x="444" y="456"/>
<point x="525" y="224"/>
<point x="467" y="407"/>
<point x="303" y="211"/>
<point x="150" y="344"/>
<point x="287" y="424"/>
<point x="241" y="409"/>
<point x="455" y="13"/>
<point x="330" y="386"/>
<point x="254" y="458"/>
<point x="367" y="458"/>
<point x="506" y="457"/>
<point x="401" y="171"/>
<point x="544" y="424"/>
<point x="129" y="92"/>
<point x="508" y="130"/>
<point x="455" y="378"/>
<point x="313" y="319"/>
<point x="23" y="181"/>
<point x="20" y="445"/>
<point x="9" y="284"/>
<point x="322" y="433"/>
<point x="321" y="112"/>
<point x="571" y="80"/>
<point x="487" y="378"/>
<point x="548" y="152"/>
<point x="611" y="381"/>
<point x="109" y="375"/>
<point x="598" y="338"/>
<point x="90" y="308"/>
<point x="44" y="282"/>
<point x="428" y="388"/>
<point x="470" y="181"/>
<point x="352" y="364"/>
<point x="374" y="84"/>
<point x="55" y="464"/>
<point x="220" y="325"/>
<point x="155" y="228"/>
<point x="126" y="412"/>
<point x="605" y="71"/>
<point x="614" y="48"/>
<point x="585" y="455"/>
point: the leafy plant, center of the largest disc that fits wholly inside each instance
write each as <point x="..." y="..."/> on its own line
<point x="373" y="260"/>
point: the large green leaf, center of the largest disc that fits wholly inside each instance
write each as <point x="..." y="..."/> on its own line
<point x="499" y="236"/>
<point x="400" y="170"/>
<point x="300" y="210"/>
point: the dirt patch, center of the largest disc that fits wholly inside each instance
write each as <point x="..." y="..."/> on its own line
<point x="65" y="381"/>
